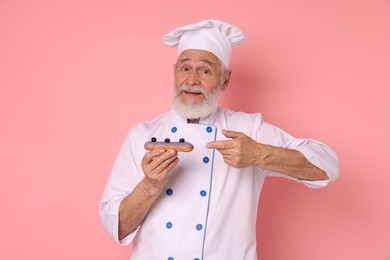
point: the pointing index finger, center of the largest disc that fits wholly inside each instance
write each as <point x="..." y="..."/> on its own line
<point x="218" y="144"/>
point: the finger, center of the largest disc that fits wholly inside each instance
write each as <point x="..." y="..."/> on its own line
<point x="225" y="144"/>
<point x="160" y="176"/>
<point x="149" y="156"/>
<point x="162" y="171"/>
<point x="165" y="163"/>
<point x="170" y="166"/>
<point x="163" y="160"/>
<point x="231" y="134"/>
<point x="220" y="145"/>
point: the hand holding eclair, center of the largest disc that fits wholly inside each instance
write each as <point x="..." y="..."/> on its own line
<point x="156" y="165"/>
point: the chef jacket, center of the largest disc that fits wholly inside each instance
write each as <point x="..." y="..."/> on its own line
<point x="208" y="209"/>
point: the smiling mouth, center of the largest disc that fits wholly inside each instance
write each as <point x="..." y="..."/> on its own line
<point x="191" y="93"/>
<point x="195" y="93"/>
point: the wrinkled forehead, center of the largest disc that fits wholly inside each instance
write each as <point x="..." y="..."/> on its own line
<point x="199" y="56"/>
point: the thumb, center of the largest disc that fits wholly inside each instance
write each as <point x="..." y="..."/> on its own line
<point x="230" y="134"/>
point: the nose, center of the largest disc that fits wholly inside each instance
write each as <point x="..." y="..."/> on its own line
<point x="193" y="78"/>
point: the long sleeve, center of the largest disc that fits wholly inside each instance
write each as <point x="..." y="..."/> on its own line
<point x="125" y="175"/>
<point x="316" y="152"/>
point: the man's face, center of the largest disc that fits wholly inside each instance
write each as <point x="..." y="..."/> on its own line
<point x="197" y="68"/>
<point x="198" y="83"/>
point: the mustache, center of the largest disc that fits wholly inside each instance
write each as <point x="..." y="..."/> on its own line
<point x="195" y="89"/>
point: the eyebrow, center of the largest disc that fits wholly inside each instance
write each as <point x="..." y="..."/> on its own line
<point x="203" y="60"/>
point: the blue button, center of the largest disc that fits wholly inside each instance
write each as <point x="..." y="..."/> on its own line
<point x="196" y="258"/>
<point x="199" y="227"/>
<point x="206" y="159"/>
<point x="168" y="225"/>
<point x="171" y="258"/>
<point x="209" y="129"/>
<point x="174" y="129"/>
<point x="169" y="192"/>
<point x="203" y="193"/>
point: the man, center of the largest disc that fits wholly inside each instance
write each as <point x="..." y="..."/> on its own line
<point x="203" y="204"/>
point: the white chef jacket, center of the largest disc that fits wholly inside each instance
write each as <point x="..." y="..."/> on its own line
<point x="208" y="209"/>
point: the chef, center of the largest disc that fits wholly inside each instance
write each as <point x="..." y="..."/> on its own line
<point x="203" y="204"/>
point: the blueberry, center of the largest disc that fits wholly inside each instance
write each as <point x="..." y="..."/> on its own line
<point x="181" y="140"/>
<point x="154" y="139"/>
<point x="167" y="140"/>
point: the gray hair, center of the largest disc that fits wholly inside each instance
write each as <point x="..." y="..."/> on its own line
<point x="224" y="73"/>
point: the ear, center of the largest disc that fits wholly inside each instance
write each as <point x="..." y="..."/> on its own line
<point x="227" y="79"/>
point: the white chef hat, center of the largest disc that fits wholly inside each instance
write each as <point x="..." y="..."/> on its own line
<point x="214" y="36"/>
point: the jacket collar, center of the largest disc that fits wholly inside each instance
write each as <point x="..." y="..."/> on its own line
<point x="207" y="120"/>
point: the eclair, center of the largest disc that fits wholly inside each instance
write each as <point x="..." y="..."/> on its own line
<point x="181" y="146"/>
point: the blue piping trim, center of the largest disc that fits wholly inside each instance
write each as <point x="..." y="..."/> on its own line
<point x="208" y="203"/>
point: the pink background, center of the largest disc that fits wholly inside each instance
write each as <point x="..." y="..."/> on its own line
<point x="76" y="75"/>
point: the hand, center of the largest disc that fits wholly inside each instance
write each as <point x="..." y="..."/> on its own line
<point x="239" y="152"/>
<point x="156" y="165"/>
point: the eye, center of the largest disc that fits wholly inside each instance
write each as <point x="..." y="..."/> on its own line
<point x="205" y="71"/>
<point x="185" y="69"/>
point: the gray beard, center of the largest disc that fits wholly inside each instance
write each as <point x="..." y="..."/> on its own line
<point x="190" y="110"/>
